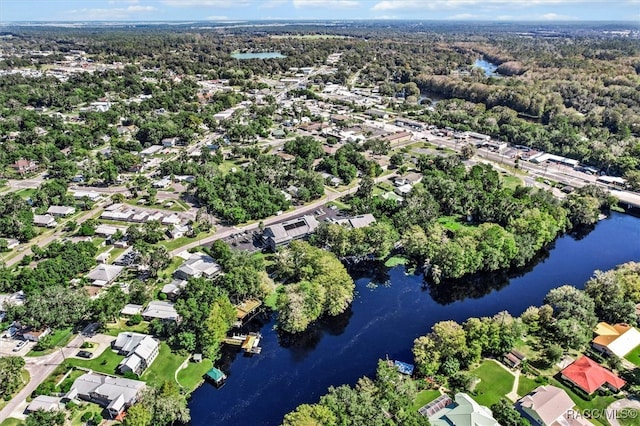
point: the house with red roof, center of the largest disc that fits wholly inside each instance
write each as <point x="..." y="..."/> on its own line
<point x="590" y="376"/>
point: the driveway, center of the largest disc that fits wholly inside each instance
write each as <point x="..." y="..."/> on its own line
<point x="39" y="368"/>
<point x="615" y="410"/>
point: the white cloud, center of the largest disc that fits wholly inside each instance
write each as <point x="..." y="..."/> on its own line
<point x="268" y="4"/>
<point x="217" y="18"/>
<point x="298" y="4"/>
<point x="206" y="3"/>
<point x="464" y="16"/>
<point x="454" y="4"/>
<point x="107" y="14"/>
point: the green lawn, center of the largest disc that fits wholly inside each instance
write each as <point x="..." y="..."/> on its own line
<point x="121" y="325"/>
<point x="271" y="299"/>
<point x="634" y="356"/>
<point x="453" y="223"/>
<point x="424" y="397"/>
<point x="395" y="261"/>
<point x="107" y="362"/>
<point x="163" y="367"/>
<point x="511" y="182"/>
<point x="629" y="417"/>
<point x="495" y="383"/>
<point x="11" y="422"/>
<point x="191" y="377"/>
<point x="526" y="385"/>
<point x="59" y="338"/>
<point x="77" y="415"/>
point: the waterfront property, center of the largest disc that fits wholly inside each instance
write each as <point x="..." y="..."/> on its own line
<point x="463" y="412"/>
<point x="198" y="265"/>
<point x="549" y="405"/>
<point x="139" y="349"/>
<point x="116" y="394"/>
<point x="618" y="339"/>
<point x="280" y="234"/>
<point x="589" y="376"/>
<point x="215" y="376"/>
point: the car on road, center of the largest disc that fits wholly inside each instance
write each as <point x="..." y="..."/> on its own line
<point x="84" y="354"/>
<point x="21" y="344"/>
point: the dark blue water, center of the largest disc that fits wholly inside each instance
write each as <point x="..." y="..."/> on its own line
<point x="386" y="319"/>
<point x="488" y="68"/>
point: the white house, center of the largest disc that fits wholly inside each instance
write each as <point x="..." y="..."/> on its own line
<point x="139" y="349"/>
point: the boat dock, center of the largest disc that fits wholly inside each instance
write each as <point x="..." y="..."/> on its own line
<point x="250" y="343"/>
<point x="216" y="376"/>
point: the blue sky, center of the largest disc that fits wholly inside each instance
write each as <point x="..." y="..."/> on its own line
<point x="187" y="10"/>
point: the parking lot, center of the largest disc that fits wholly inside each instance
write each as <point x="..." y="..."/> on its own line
<point x="8" y="344"/>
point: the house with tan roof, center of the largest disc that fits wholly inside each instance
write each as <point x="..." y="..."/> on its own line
<point x="463" y="412"/>
<point x="549" y="406"/>
<point x="618" y="339"/>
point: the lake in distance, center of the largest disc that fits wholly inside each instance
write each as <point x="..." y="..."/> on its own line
<point x="258" y="55"/>
<point x="384" y="319"/>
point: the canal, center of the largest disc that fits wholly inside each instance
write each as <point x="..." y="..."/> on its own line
<point x="390" y="310"/>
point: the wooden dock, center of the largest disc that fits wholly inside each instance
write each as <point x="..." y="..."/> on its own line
<point x="246" y="310"/>
<point x="250" y="343"/>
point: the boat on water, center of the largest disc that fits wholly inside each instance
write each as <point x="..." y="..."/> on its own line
<point x="216" y="377"/>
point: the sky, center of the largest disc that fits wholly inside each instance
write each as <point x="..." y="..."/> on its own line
<point x="241" y="10"/>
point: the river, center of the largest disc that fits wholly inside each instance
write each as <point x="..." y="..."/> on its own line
<point x="385" y="319"/>
<point x="488" y="68"/>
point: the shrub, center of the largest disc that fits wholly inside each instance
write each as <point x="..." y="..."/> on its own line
<point x="135" y="320"/>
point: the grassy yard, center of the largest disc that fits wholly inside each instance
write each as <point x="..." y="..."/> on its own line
<point x="634" y="356"/>
<point x="59" y="338"/>
<point x="452" y="223"/>
<point x="271" y="299"/>
<point x="12" y="422"/>
<point x="164" y="367"/>
<point x="424" y="397"/>
<point x="511" y="182"/>
<point x="183" y="241"/>
<point x="495" y="383"/>
<point x="77" y="415"/>
<point x="107" y="362"/>
<point x="121" y="325"/>
<point x="526" y="385"/>
<point x="629" y="417"/>
<point x="190" y="377"/>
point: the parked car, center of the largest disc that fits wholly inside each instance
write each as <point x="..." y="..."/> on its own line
<point x="20" y="345"/>
<point x="85" y="354"/>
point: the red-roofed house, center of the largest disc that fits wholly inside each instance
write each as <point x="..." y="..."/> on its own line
<point x="23" y="166"/>
<point x="590" y="376"/>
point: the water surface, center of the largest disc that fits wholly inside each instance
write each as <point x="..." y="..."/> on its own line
<point x="258" y="55"/>
<point x="385" y="319"/>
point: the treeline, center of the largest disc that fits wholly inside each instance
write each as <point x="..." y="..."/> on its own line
<point x="385" y="401"/>
<point x="316" y="284"/>
<point x="458" y="222"/>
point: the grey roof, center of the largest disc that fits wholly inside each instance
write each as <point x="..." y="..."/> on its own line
<point x="199" y="264"/>
<point x="160" y="310"/>
<point x="104" y="274"/>
<point x="62" y="210"/>
<point x="44" y="402"/>
<point x="359" y="221"/>
<point x="467" y="412"/>
<point x="106" y="387"/>
<point x="284" y="232"/>
<point x="174" y="287"/>
<point x="131" y="309"/>
<point x="43" y="219"/>
<point x="127" y="341"/>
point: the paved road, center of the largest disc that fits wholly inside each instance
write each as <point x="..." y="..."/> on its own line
<point x="39" y="368"/>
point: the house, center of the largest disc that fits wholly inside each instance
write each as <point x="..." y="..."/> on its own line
<point x="114" y="393"/>
<point x="398" y="138"/>
<point x="91" y="195"/>
<point x="162" y="183"/>
<point x="160" y="310"/>
<point x="178" y="231"/>
<point x="198" y="265"/>
<point x="44" y="403"/>
<point x="411" y="124"/>
<point x="45" y="220"/>
<point x="463" y="412"/>
<point x="153" y="149"/>
<point x="549" y="406"/>
<point x="139" y="349"/>
<point x="34" y="335"/>
<point x="278" y="134"/>
<point x="514" y="358"/>
<point x="12" y="243"/>
<point x="169" y="142"/>
<point x="479" y="136"/>
<point x="376" y="113"/>
<point x="283" y="233"/>
<point x="359" y="221"/>
<point x="107" y="230"/>
<point x="590" y="376"/>
<point x="174" y="288"/>
<point x="618" y="340"/>
<point x="131" y="309"/>
<point x="61" y="211"/>
<point x="403" y="190"/>
<point x="103" y="275"/>
<point x="23" y="166"/>
<point x="173" y="219"/>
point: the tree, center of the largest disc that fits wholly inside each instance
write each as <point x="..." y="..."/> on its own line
<point x="506" y="415"/>
<point x="468" y="151"/>
<point x="310" y="415"/>
<point x="56" y="307"/>
<point x="165" y="405"/>
<point x="42" y="417"/>
<point x="426" y="355"/>
<point x="138" y="415"/>
<point x="10" y="375"/>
